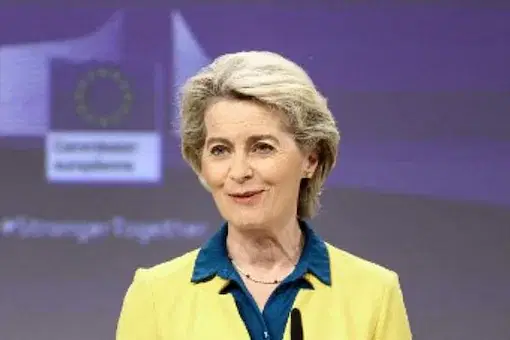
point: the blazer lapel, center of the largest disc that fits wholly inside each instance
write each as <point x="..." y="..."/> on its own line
<point x="320" y="311"/>
<point x="219" y="317"/>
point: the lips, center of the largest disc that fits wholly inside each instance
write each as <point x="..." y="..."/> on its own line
<point x="246" y="194"/>
<point x="247" y="198"/>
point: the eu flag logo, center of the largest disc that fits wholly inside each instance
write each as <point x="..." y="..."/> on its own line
<point x="102" y="96"/>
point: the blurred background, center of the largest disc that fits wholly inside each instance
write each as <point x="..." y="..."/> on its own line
<point x="92" y="184"/>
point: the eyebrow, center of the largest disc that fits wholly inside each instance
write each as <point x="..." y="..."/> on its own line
<point x="251" y="140"/>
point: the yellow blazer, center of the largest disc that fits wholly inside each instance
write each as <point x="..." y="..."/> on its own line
<point x="364" y="302"/>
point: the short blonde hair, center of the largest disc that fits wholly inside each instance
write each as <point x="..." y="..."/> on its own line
<point x="278" y="83"/>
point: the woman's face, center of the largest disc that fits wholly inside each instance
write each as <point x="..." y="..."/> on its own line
<point x="253" y="167"/>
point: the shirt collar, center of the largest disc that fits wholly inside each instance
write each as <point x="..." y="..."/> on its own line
<point x="213" y="259"/>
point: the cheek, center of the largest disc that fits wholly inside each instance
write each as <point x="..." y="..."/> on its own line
<point x="214" y="173"/>
<point x="282" y="170"/>
<point x="284" y="182"/>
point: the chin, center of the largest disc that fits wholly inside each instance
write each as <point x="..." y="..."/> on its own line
<point x="246" y="223"/>
<point x="247" y="215"/>
<point x="255" y="219"/>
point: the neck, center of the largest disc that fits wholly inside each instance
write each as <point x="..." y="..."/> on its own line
<point x="266" y="247"/>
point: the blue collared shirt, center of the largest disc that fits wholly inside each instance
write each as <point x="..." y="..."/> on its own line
<point x="270" y="324"/>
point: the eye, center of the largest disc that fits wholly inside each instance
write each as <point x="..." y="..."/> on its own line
<point x="263" y="148"/>
<point x="218" y="150"/>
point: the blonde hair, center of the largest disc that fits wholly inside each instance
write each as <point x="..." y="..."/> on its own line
<point x="278" y="83"/>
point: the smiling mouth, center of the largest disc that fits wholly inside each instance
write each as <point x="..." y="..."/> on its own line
<point x="246" y="194"/>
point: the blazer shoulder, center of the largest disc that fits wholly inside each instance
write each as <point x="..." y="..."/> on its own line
<point x="151" y="293"/>
<point x="344" y="263"/>
<point x="170" y="271"/>
<point x="375" y="292"/>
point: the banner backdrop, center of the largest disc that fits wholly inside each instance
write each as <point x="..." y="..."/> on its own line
<point x="92" y="184"/>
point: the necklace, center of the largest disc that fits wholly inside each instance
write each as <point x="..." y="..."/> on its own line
<point x="249" y="277"/>
<point x="265" y="282"/>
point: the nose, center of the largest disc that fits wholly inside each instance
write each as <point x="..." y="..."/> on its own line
<point x="240" y="168"/>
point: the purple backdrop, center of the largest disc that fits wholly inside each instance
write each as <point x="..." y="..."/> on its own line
<point x="92" y="183"/>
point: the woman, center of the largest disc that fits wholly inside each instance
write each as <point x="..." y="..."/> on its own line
<point x="262" y="140"/>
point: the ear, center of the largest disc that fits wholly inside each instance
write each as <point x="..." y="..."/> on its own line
<point x="310" y="165"/>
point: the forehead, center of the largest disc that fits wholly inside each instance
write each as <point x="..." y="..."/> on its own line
<point x="237" y="116"/>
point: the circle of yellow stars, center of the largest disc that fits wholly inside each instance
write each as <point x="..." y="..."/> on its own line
<point x="112" y="118"/>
